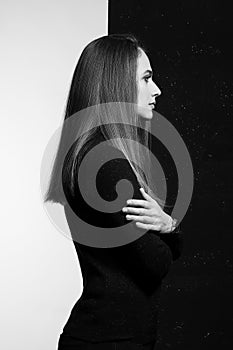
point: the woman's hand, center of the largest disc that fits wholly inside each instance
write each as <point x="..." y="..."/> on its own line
<point x="151" y="216"/>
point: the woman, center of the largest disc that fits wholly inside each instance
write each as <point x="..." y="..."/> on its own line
<point x="119" y="305"/>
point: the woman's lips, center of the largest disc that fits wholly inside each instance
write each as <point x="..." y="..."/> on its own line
<point x="152" y="105"/>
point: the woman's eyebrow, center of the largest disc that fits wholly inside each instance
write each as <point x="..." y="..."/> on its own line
<point x="148" y="71"/>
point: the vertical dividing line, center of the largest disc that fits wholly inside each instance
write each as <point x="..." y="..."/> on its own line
<point x="108" y="15"/>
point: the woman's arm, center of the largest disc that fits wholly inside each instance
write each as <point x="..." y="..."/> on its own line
<point x="174" y="240"/>
<point x="107" y="178"/>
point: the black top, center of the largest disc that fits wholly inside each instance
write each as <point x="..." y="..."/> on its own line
<point x="121" y="285"/>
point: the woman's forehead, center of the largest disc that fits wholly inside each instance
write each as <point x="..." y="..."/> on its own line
<point x="143" y="63"/>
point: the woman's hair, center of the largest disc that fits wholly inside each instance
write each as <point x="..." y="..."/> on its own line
<point x="105" y="80"/>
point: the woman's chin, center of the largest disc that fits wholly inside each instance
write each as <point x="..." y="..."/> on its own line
<point x="145" y="113"/>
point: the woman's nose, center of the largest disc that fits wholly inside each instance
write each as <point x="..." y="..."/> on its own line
<point x="156" y="91"/>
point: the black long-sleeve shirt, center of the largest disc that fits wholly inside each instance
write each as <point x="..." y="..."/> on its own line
<point x="121" y="285"/>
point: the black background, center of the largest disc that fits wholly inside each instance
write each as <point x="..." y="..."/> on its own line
<point x="190" y="50"/>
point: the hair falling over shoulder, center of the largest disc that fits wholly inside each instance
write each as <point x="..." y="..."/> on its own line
<point x="104" y="84"/>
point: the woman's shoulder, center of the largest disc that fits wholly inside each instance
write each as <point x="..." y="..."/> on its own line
<point x="100" y="150"/>
<point x="105" y="165"/>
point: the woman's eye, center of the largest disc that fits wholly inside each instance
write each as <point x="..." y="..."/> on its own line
<point x="146" y="79"/>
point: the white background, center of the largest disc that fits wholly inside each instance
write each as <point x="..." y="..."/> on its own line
<point x="40" y="274"/>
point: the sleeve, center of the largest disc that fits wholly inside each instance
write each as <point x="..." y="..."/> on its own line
<point x="98" y="180"/>
<point x="174" y="240"/>
<point x="108" y="178"/>
<point x="121" y="169"/>
<point x="117" y="169"/>
<point x="168" y="246"/>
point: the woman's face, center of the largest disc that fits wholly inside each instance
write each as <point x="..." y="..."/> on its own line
<point x="147" y="89"/>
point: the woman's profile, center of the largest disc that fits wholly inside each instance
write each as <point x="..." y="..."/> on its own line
<point x="119" y="305"/>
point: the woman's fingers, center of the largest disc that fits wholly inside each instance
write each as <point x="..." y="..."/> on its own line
<point x="144" y="219"/>
<point x="145" y="195"/>
<point x="135" y="217"/>
<point x="141" y="202"/>
<point x="139" y="211"/>
<point x="150" y="217"/>
<point x="148" y="226"/>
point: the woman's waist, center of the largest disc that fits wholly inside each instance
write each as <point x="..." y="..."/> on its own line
<point x="120" y="305"/>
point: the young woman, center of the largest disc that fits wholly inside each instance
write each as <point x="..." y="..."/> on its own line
<point x="119" y="305"/>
